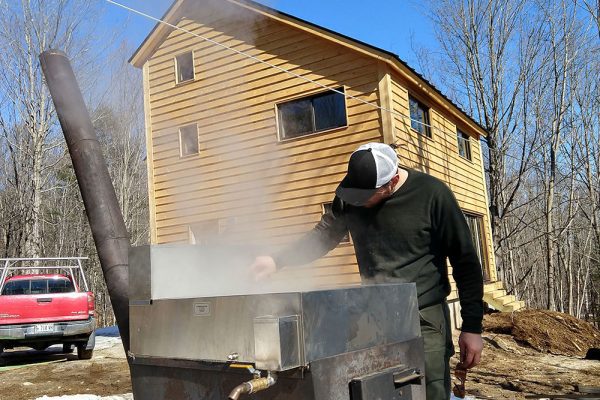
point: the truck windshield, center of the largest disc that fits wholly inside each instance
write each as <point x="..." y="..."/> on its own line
<point x="38" y="286"/>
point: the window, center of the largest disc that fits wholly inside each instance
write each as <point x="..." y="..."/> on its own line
<point x="39" y="287"/>
<point x="419" y="117"/>
<point x="464" y="145"/>
<point x="14" y="288"/>
<point x="188" y="140"/>
<point x="312" y="114"/>
<point x="60" y="286"/>
<point x="475" y="223"/>
<point x="184" y="67"/>
<point x="327" y="209"/>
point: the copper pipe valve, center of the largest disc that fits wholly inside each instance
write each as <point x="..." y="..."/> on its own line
<point x="253" y="386"/>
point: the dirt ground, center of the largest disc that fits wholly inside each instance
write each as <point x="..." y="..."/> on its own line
<point x="513" y="366"/>
<point x="29" y="374"/>
<point x="536" y="354"/>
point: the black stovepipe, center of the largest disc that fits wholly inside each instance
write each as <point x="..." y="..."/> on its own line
<point x="99" y="198"/>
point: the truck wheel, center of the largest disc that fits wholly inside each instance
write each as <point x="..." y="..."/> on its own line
<point x="67" y="348"/>
<point x="84" y="354"/>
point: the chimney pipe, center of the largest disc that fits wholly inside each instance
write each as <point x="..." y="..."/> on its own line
<point x="101" y="205"/>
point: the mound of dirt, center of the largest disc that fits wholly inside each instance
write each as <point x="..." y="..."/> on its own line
<point x="546" y="331"/>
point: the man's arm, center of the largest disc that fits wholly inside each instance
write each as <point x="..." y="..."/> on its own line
<point x="325" y="236"/>
<point x="455" y="237"/>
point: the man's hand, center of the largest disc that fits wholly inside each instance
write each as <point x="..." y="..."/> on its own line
<point x="470" y="345"/>
<point x="263" y="267"/>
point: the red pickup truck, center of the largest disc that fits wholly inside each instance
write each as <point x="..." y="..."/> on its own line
<point x="42" y="309"/>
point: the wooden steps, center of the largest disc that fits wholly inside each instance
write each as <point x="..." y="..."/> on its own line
<point x="496" y="297"/>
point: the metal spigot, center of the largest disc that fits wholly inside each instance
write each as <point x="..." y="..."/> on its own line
<point x="253" y="386"/>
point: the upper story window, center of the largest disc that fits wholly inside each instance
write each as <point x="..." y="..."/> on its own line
<point x="184" y="67"/>
<point x="312" y="114"/>
<point x="188" y="140"/>
<point x="464" y="145"/>
<point x="419" y="116"/>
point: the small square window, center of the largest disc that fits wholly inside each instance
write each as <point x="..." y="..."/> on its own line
<point x="188" y="140"/>
<point x="419" y="117"/>
<point x="184" y="67"/>
<point x="312" y="114"/>
<point x="464" y="145"/>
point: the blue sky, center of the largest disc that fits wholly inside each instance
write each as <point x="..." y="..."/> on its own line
<point x="388" y="24"/>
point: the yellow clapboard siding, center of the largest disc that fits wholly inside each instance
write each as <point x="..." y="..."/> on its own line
<point x="210" y="29"/>
<point x="206" y="199"/>
<point x="217" y="31"/>
<point x="262" y="157"/>
<point x="209" y="117"/>
<point x="271" y="39"/>
<point x="273" y="176"/>
<point x="280" y="86"/>
<point x="197" y="201"/>
<point x="443" y="155"/>
<point x="224" y="68"/>
<point x="167" y="155"/>
<point x="193" y="215"/>
<point x="273" y="210"/>
<point x="283" y="51"/>
<point x="260" y="172"/>
<point x="214" y="65"/>
<point x="236" y="109"/>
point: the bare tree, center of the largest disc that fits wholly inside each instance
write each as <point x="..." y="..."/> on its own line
<point x="41" y="212"/>
<point x="528" y="71"/>
<point x="120" y="127"/>
<point x="563" y="52"/>
<point x="494" y="48"/>
<point x="27" y="120"/>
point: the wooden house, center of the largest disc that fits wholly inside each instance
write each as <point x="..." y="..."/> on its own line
<point x="247" y="141"/>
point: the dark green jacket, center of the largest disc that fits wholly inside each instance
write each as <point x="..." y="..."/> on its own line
<point x="408" y="237"/>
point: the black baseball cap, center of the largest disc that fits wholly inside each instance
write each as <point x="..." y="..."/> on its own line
<point x="370" y="167"/>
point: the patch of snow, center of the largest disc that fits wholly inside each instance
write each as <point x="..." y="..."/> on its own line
<point x="103" y="342"/>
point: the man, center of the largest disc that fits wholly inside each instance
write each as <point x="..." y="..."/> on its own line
<point x="404" y="225"/>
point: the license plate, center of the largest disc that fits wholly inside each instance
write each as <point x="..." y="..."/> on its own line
<point x="43" y="328"/>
